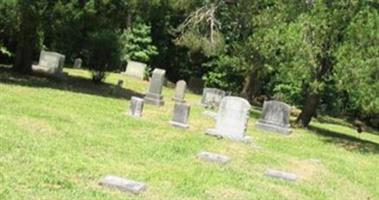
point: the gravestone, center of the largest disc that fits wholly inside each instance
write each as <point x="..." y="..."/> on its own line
<point x="213" y="157"/>
<point x="78" y="63"/>
<point x="136" y="107"/>
<point x="181" y="115"/>
<point x="281" y="175"/>
<point x="154" y="95"/>
<point x="123" y="184"/>
<point x="50" y="63"/>
<point x="136" y="69"/>
<point x="232" y="119"/>
<point x="180" y="91"/>
<point x="212" y="97"/>
<point x="275" y="117"/>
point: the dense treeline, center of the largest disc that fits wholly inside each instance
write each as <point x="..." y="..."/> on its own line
<point x="320" y="55"/>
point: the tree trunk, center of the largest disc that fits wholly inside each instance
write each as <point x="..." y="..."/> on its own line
<point x="251" y="86"/>
<point x="27" y="38"/>
<point x="309" y="110"/>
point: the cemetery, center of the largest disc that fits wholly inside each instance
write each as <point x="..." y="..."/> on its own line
<point x="189" y="100"/>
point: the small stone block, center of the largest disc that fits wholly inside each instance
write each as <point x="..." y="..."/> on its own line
<point x="212" y="157"/>
<point x="281" y="175"/>
<point x="122" y="184"/>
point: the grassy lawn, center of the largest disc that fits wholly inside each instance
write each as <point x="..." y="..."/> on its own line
<point x="59" y="138"/>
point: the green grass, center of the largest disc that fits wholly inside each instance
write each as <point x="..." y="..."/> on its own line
<point x="59" y="138"/>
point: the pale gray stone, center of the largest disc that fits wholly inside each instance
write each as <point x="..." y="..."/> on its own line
<point x="51" y="63"/>
<point x="136" y="107"/>
<point x="154" y="95"/>
<point x="181" y="115"/>
<point x="78" y="63"/>
<point x="123" y="184"/>
<point x="212" y="97"/>
<point x="232" y="119"/>
<point x="281" y="175"/>
<point x="275" y="118"/>
<point x="180" y="91"/>
<point x="136" y="69"/>
<point x="213" y="157"/>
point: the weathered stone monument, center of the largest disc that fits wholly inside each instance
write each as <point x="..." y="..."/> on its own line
<point x="275" y="117"/>
<point x="78" y="63"/>
<point x="281" y="175"/>
<point x="135" y="69"/>
<point x="123" y="184"/>
<point x="136" y="107"/>
<point x="180" y="91"/>
<point x="212" y="97"/>
<point x="50" y="63"/>
<point x="181" y="115"/>
<point x="232" y="119"/>
<point x="213" y="157"/>
<point x="154" y="95"/>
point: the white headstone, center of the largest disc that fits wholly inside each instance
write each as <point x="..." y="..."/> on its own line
<point x="180" y="91"/>
<point x="136" y="69"/>
<point x="136" y="107"/>
<point x="123" y="184"/>
<point x="154" y="95"/>
<point x="212" y="97"/>
<point x="181" y="115"/>
<point x="78" y="63"/>
<point x="50" y="62"/>
<point x="275" y="117"/>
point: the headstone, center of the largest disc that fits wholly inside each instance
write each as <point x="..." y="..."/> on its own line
<point x="180" y="91"/>
<point x="181" y="115"/>
<point x="123" y="185"/>
<point x="213" y="157"/>
<point x="136" y="69"/>
<point x="281" y="175"/>
<point x="51" y="63"/>
<point x="212" y="97"/>
<point x="78" y="63"/>
<point x="232" y="119"/>
<point x="136" y="107"/>
<point x="154" y="95"/>
<point x="196" y="85"/>
<point x="275" y="117"/>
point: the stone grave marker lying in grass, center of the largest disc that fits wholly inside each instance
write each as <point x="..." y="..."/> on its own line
<point x="213" y="157"/>
<point x="181" y="115"/>
<point x="180" y="91"/>
<point x="122" y="184"/>
<point x="154" y="95"/>
<point x="212" y="97"/>
<point x="275" y="117"/>
<point x="281" y="175"/>
<point x="135" y="69"/>
<point x="50" y="63"/>
<point x="78" y="63"/>
<point x="232" y="119"/>
<point x="136" y="107"/>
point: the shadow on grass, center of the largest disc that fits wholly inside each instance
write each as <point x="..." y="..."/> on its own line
<point x="69" y="83"/>
<point x="256" y="112"/>
<point x="348" y="142"/>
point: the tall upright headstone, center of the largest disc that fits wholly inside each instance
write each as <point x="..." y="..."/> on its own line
<point x="154" y="95"/>
<point x="136" y="107"/>
<point x="212" y="97"/>
<point x="275" y="117"/>
<point x="180" y="91"/>
<point x="232" y="119"/>
<point x="136" y="69"/>
<point x="78" y="63"/>
<point x="181" y="115"/>
<point x="50" y="62"/>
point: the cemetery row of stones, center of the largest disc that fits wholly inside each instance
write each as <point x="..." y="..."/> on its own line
<point x="231" y="118"/>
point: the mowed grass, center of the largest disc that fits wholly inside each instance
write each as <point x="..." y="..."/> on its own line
<point x="59" y="138"/>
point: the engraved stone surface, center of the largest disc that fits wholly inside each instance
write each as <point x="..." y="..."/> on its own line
<point x="181" y="115"/>
<point x="123" y="184"/>
<point x="78" y="63"/>
<point x="232" y="119"/>
<point x="281" y="175"/>
<point x="275" y="117"/>
<point x="136" y="69"/>
<point x="136" y="107"/>
<point x="212" y="97"/>
<point x="50" y="63"/>
<point x="180" y="91"/>
<point x="213" y="157"/>
<point x="154" y="95"/>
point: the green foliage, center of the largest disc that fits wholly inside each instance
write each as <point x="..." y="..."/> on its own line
<point x="104" y="54"/>
<point x="137" y="44"/>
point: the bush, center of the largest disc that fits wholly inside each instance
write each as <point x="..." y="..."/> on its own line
<point x="103" y="54"/>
